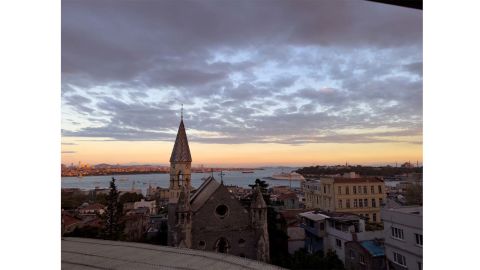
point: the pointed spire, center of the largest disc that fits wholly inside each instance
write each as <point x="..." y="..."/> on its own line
<point x="181" y="150"/>
<point x="181" y="114"/>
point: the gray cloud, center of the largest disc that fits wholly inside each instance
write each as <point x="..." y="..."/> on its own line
<point x="266" y="71"/>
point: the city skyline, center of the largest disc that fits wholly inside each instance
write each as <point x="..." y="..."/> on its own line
<point x="323" y="82"/>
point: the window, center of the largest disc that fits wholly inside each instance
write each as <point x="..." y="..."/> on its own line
<point x="368" y="217"/>
<point x="352" y="254"/>
<point x="339" y="190"/>
<point x="340" y="204"/>
<point x="355" y="205"/>
<point x="202" y="244"/>
<point x="348" y="203"/>
<point x="380" y="202"/>
<point x="359" y="190"/>
<point x="374" y="218"/>
<point x="338" y="242"/>
<point x="365" y="202"/>
<point x="374" y="203"/>
<point x="372" y="189"/>
<point x="399" y="258"/>
<point x="379" y="189"/>
<point x="360" y="203"/>
<point x="221" y="210"/>
<point x="397" y="233"/>
<point x="364" y="189"/>
<point x="347" y="190"/>
<point x="362" y="259"/>
<point x="354" y="190"/>
<point x="419" y="239"/>
<point x="322" y="226"/>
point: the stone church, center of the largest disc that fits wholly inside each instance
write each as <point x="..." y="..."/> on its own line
<point x="210" y="218"/>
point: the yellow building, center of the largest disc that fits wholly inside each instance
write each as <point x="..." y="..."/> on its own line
<point x="359" y="195"/>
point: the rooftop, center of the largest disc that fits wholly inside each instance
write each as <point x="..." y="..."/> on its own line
<point x="344" y="180"/>
<point x="83" y="253"/>
<point x="373" y="247"/>
<point x="412" y="210"/>
<point x="337" y="216"/>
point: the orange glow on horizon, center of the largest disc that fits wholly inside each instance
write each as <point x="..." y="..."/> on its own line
<point x="158" y="152"/>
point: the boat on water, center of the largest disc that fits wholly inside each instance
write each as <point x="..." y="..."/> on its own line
<point x="247" y="171"/>
<point x="287" y="176"/>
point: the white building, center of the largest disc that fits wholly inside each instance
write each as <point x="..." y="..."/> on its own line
<point x="329" y="231"/>
<point x="403" y="237"/>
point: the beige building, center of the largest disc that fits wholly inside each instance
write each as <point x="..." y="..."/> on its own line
<point x="359" y="195"/>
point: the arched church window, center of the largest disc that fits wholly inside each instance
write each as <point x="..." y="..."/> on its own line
<point x="221" y="211"/>
<point x="222" y="245"/>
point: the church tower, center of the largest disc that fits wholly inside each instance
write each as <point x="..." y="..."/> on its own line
<point x="258" y="219"/>
<point x="180" y="178"/>
<point x="183" y="221"/>
<point x="180" y="164"/>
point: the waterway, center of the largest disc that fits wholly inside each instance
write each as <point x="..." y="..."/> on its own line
<point x="142" y="181"/>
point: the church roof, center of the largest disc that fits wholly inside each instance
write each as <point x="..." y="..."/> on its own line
<point x="181" y="150"/>
<point x="203" y="193"/>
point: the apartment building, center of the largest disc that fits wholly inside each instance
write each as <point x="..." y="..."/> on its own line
<point x="359" y="195"/>
<point x="329" y="231"/>
<point x="403" y="232"/>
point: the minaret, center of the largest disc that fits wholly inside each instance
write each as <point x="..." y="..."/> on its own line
<point x="180" y="177"/>
<point x="258" y="218"/>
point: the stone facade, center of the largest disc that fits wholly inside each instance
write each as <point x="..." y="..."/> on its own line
<point x="212" y="219"/>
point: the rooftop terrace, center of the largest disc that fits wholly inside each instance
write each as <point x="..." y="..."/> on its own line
<point x="83" y="253"/>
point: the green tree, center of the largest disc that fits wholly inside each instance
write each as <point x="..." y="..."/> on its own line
<point x="112" y="215"/>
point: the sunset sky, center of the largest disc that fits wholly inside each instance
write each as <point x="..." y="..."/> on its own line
<point x="262" y="82"/>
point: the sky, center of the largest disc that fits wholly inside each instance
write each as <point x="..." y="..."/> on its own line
<point x="261" y="82"/>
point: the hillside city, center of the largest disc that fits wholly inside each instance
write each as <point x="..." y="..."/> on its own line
<point x="346" y="217"/>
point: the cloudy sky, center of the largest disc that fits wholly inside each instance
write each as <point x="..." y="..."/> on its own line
<point x="262" y="82"/>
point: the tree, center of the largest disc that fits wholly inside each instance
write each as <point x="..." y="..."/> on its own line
<point x="263" y="188"/>
<point x="112" y="228"/>
<point x="130" y="197"/>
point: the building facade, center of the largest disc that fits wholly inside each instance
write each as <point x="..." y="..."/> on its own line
<point x="359" y="195"/>
<point x="211" y="218"/>
<point x="403" y="237"/>
<point x="329" y="231"/>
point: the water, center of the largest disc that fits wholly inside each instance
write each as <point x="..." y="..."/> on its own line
<point x="142" y="181"/>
